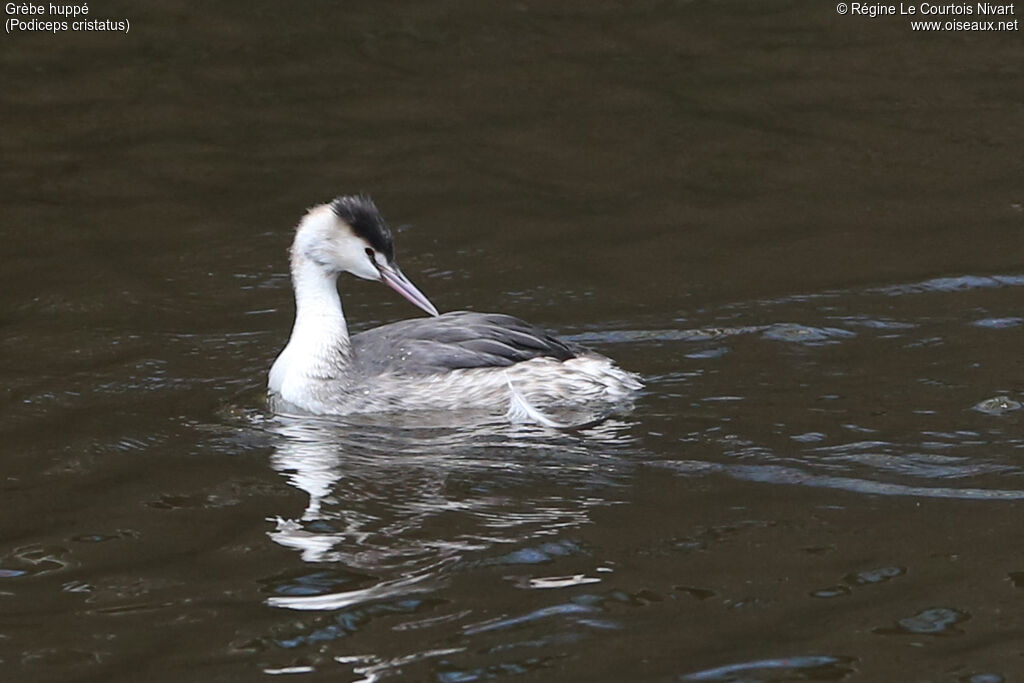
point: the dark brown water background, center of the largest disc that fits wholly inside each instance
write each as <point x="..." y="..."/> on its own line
<point x="804" y="229"/>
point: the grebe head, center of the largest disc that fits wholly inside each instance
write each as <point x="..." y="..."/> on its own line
<point x="349" y="235"/>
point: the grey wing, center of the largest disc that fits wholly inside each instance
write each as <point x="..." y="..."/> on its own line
<point x="462" y="339"/>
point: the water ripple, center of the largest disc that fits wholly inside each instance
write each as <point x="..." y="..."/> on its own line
<point x="814" y="667"/>
<point x="778" y="474"/>
<point x="959" y="283"/>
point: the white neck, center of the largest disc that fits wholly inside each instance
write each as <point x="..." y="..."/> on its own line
<point x="319" y="347"/>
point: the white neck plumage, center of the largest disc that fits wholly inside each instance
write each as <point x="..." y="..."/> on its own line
<point x="319" y="346"/>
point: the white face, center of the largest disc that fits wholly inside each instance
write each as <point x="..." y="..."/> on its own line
<point x="374" y="257"/>
<point x="330" y="243"/>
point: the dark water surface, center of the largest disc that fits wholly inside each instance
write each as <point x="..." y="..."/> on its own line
<point x="805" y="230"/>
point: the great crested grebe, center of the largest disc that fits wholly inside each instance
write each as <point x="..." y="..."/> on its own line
<point x="459" y="361"/>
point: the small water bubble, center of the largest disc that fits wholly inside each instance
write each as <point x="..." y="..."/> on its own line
<point x="937" y="621"/>
<point x="998" y="405"/>
<point x="871" y="576"/>
<point x="808" y="437"/>
<point x="831" y="592"/>
<point x="709" y="353"/>
<point x="859" y="429"/>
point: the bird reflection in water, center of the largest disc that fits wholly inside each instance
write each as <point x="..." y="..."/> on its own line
<point x="394" y="511"/>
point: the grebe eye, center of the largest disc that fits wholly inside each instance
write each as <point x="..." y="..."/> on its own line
<point x="369" y="252"/>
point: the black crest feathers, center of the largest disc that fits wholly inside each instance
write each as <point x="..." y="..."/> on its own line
<point x="362" y="214"/>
